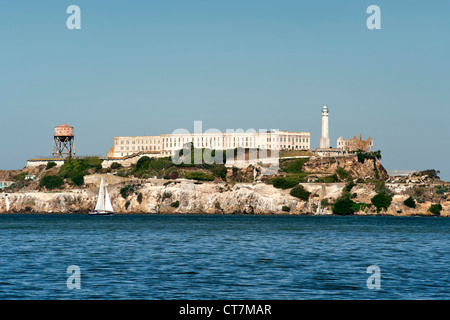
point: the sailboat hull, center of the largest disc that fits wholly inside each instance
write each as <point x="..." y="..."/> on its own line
<point x="101" y="213"/>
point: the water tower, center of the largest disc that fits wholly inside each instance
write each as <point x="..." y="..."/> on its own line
<point x="63" y="142"/>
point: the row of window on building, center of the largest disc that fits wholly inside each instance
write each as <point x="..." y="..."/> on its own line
<point x="166" y="143"/>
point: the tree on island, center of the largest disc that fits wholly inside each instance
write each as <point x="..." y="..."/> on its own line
<point x="51" y="182"/>
<point x="435" y="209"/>
<point x="344" y="206"/>
<point x="381" y="201"/>
<point x="410" y="202"/>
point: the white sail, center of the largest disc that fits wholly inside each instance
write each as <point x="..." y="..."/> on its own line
<point x="101" y="198"/>
<point x="7" y="203"/>
<point x="108" y="205"/>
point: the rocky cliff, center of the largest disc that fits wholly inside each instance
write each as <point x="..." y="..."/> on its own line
<point x="369" y="169"/>
<point x="206" y="198"/>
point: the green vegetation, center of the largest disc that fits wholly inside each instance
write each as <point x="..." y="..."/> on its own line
<point x="51" y="182"/>
<point x="288" y="181"/>
<point x="292" y="165"/>
<point x="199" y="175"/>
<point x="380" y="187"/>
<point x="410" y="202"/>
<point x="115" y="166"/>
<point x="164" y="167"/>
<point x="139" y="198"/>
<point x="189" y="155"/>
<point x="377" y="174"/>
<point x="146" y="165"/>
<point x="328" y="179"/>
<point x="166" y="195"/>
<point x="286" y="209"/>
<point x="219" y="170"/>
<point x="431" y="173"/>
<point x="381" y="201"/>
<point x="175" y="204"/>
<point x="419" y="191"/>
<point x="76" y="168"/>
<point x="442" y="189"/>
<point x="125" y="191"/>
<point x="20" y="176"/>
<point x="348" y="188"/>
<point x="78" y="179"/>
<point x="344" y="206"/>
<point x="50" y="165"/>
<point x="127" y="204"/>
<point x="435" y="209"/>
<point x="342" y="174"/>
<point x="359" y="206"/>
<point x="362" y="156"/>
<point x="129" y="189"/>
<point x="300" y="192"/>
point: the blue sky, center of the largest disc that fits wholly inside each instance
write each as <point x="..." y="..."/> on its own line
<point x="150" y="67"/>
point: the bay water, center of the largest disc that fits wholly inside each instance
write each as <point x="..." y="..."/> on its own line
<point x="223" y="257"/>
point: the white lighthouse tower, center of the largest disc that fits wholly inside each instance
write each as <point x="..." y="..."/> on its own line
<point x="324" y="140"/>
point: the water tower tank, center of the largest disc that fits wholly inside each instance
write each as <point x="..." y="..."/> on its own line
<point x="63" y="142"/>
<point x="64" y="130"/>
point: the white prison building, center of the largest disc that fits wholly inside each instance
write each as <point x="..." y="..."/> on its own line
<point x="165" y="144"/>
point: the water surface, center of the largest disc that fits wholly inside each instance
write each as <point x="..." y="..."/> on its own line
<point x="223" y="257"/>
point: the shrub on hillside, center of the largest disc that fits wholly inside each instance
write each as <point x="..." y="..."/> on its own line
<point x="20" y="177"/>
<point x="359" y="206"/>
<point x="51" y="182"/>
<point x="329" y="179"/>
<point x="199" y="175"/>
<point x="73" y="168"/>
<point x="293" y="166"/>
<point x="146" y="164"/>
<point x="125" y="191"/>
<point x="343" y="175"/>
<point x="410" y="202"/>
<point x="344" y="206"/>
<point x="381" y="201"/>
<point x="349" y="186"/>
<point x="78" y="179"/>
<point x="300" y="192"/>
<point x="285" y="182"/>
<point x="115" y="166"/>
<point x="435" y="209"/>
<point x="50" y="165"/>
<point x="219" y="170"/>
<point x="362" y="155"/>
<point x="325" y="203"/>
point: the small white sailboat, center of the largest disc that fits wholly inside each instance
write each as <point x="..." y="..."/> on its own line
<point x="104" y="206"/>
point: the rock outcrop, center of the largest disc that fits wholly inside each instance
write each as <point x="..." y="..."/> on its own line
<point x="369" y="169"/>
<point x="205" y="198"/>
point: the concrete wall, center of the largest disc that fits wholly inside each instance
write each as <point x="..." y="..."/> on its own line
<point x="95" y="179"/>
<point x="131" y="159"/>
<point x="32" y="163"/>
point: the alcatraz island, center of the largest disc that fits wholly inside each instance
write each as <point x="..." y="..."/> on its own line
<point x="265" y="172"/>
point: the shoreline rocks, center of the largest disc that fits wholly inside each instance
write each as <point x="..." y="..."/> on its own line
<point x="188" y="197"/>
